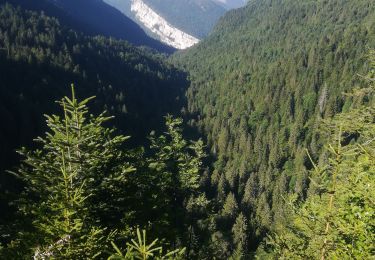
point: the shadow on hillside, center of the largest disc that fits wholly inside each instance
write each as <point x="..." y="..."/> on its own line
<point x="28" y="91"/>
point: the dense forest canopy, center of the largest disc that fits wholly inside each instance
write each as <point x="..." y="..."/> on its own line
<point x="281" y="92"/>
<point x="260" y="83"/>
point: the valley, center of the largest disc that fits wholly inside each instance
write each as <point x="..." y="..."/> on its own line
<point x="192" y="129"/>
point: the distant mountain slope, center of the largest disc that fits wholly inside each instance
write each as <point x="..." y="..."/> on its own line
<point x="161" y="28"/>
<point x="261" y="83"/>
<point x="230" y="4"/>
<point x="94" y="17"/>
<point x="194" y="17"/>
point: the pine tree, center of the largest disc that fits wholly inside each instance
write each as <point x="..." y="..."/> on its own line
<point x="175" y="169"/>
<point x="230" y="207"/>
<point x="179" y="160"/>
<point x="141" y="249"/>
<point x="65" y="180"/>
<point x="239" y="234"/>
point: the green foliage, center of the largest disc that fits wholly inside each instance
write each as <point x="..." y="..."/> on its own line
<point x="176" y="165"/>
<point x="264" y="85"/>
<point x="174" y="157"/>
<point x="40" y="56"/>
<point x="141" y="250"/>
<point x="240" y="236"/>
<point x="135" y="85"/>
<point x="260" y="83"/>
<point x="78" y="189"/>
<point x="338" y="218"/>
<point x="64" y="181"/>
<point x="230" y="207"/>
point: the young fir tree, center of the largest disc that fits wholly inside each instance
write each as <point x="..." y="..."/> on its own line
<point x="65" y="180"/>
<point x="141" y="249"/>
<point x="240" y="237"/>
<point x="176" y="165"/>
<point x="230" y="208"/>
<point x="338" y="218"/>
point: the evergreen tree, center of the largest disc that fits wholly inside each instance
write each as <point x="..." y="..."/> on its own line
<point x="82" y="187"/>
<point x="230" y="207"/>
<point x="79" y="160"/>
<point x="140" y="249"/>
<point x="240" y="235"/>
<point x="176" y="166"/>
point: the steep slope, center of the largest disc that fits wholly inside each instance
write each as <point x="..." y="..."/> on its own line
<point x="195" y="18"/>
<point x="98" y="18"/>
<point x="163" y="30"/>
<point x="260" y="83"/>
<point x="40" y="58"/>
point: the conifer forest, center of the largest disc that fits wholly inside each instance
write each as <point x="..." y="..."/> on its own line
<point x="258" y="142"/>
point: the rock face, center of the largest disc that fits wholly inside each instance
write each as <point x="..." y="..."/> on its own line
<point x="195" y="17"/>
<point x="159" y="26"/>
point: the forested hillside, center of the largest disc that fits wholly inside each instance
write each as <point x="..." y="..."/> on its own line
<point x="260" y="84"/>
<point x="82" y="185"/>
<point x="40" y="58"/>
<point x="94" y="163"/>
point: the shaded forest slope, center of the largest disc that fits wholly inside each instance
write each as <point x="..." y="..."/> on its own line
<point x="40" y="58"/>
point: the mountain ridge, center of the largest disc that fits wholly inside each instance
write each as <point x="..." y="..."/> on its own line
<point x="195" y="18"/>
<point x="99" y="18"/>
